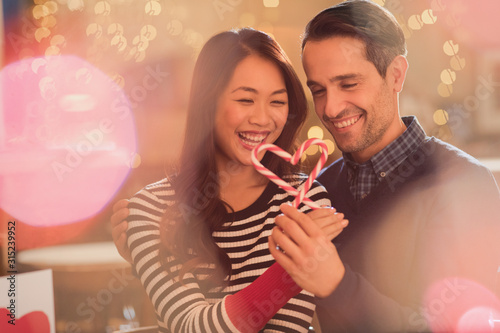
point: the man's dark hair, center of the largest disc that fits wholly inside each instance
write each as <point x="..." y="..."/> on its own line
<point x="374" y="25"/>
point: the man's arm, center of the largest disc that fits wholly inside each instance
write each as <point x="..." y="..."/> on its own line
<point x="455" y="258"/>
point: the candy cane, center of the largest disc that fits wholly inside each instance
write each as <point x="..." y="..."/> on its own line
<point x="299" y="195"/>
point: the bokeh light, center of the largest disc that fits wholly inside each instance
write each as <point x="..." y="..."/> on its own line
<point x="428" y="17"/>
<point x="445" y="90"/>
<point x="440" y="117"/>
<point x="153" y="8"/>
<point x="457" y="63"/>
<point x="271" y="3"/>
<point x="379" y="2"/>
<point x="312" y="150"/>
<point x="450" y="48"/>
<point x="330" y="145"/>
<point x="459" y="305"/>
<point x="448" y="76"/>
<point x="415" y="22"/>
<point x="67" y="140"/>
<point x="315" y="132"/>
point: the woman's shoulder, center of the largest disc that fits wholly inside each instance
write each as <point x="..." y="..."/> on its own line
<point x="160" y="185"/>
<point x="160" y="192"/>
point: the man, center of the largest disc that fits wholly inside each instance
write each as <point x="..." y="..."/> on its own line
<point x="421" y="250"/>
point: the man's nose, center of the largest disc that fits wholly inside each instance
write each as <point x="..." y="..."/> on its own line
<point x="334" y="105"/>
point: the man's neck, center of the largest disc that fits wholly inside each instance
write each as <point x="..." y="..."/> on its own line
<point x="389" y="137"/>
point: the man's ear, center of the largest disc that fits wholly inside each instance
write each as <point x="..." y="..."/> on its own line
<point x="396" y="72"/>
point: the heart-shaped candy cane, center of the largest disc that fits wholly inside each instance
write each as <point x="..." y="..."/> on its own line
<point x="299" y="195"/>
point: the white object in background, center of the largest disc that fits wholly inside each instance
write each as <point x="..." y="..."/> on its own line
<point x="27" y="303"/>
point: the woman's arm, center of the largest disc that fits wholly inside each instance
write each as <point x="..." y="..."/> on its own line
<point x="183" y="307"/>
<point x="180" y="307"/>
<point x="191" y="311"/>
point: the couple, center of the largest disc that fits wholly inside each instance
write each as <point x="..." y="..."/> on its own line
<point x="423" y="215"/>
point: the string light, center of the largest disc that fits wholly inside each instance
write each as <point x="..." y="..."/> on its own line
<point x="448" y="76"/>
<point x="315" y="132"/>
<point x="271" y="3"/>
<point x="318" y="133"/>
<point x="445" y="90"/>
<point x="330" y="145"/>
<point x="440" y="117"/>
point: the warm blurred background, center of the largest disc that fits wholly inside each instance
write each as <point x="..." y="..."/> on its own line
<point x="79" y="133"/>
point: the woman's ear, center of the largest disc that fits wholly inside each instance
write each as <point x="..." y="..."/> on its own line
<point x="396" y="72"/>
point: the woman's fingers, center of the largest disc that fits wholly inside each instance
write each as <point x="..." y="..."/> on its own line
<point x="120" y="212"/>
<point x="279" y="255"/>
<point x="308" y="256"/>
<point x="119" y="227"/>
<point x="119" y="230"/>
<point x="330" y="222"/>
<point x="303" y="220"/>
<point x="122" y="203"/>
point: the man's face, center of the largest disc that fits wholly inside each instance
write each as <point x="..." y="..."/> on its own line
<point x="356" y="104"/>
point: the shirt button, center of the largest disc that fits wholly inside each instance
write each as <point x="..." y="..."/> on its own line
<point x="382" y="174"/>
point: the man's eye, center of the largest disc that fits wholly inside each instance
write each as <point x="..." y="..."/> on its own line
<point x="350" y="85"/>
<point x="317" y="92"/>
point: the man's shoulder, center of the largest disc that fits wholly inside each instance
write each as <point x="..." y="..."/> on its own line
<point x="331" y="176"/>
<point x="333" y="170"/>
<point x="447" y="164"/>
<point x="450" y="157"/>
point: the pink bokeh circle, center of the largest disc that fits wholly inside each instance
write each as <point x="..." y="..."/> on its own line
<point x="67" y="140"/>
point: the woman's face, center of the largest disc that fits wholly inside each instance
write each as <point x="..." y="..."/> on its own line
<point x="252" y="109"/>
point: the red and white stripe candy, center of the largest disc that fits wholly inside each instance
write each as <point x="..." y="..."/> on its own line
<point x="293" y="159"/>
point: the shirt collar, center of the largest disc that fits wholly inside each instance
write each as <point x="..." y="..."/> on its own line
<point x="389" y="158"/>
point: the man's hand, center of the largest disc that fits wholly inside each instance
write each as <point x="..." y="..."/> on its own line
<point x="305" y="252"/>
<point x="119" y="228"/>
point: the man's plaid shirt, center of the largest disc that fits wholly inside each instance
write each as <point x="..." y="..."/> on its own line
<point x="366" y="176"/>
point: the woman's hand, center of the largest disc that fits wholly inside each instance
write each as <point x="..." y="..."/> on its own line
<point x="329" y="221"/>
<point x="305" y="252"/>
<point x="119" y="228"/>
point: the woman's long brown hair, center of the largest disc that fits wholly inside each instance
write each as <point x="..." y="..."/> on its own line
<point x="199" y="211"/>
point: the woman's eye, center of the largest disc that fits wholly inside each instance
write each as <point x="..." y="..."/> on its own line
<point x="244" y="100"/>
<point x="279" y="102"/>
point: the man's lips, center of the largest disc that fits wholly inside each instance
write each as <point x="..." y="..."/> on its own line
<point x="346" y="122"/>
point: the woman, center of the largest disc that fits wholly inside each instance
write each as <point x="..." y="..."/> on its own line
<point x="199" y="238"/>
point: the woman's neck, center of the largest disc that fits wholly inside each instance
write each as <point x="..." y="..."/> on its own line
<point x="241" y="186"/>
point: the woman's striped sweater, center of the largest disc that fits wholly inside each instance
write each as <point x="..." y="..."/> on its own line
<point x="184" y="307"/>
